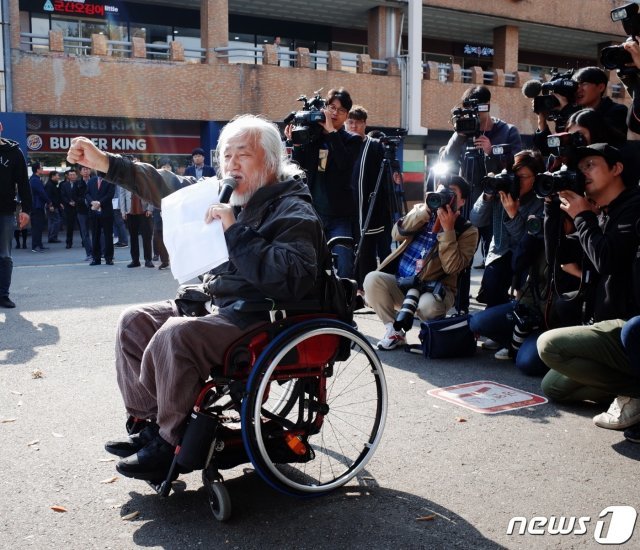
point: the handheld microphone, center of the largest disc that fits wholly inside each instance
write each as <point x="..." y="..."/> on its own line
<point x="531" y="88"/>
<point x="227" y="185"/>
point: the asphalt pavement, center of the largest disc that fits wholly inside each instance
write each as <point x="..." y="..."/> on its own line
<point x="443" y="477"/>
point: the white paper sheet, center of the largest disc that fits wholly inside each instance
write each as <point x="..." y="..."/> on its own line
<point x="194" y="247"/>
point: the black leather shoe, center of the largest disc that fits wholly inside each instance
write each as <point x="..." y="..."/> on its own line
<point x="109" y="262"/>
<point x="131" y="444"/>
<point x="148" y="264"/>
<point x="95" y="263"/>
<point x="134" y="264"/>
<point x="163" y="266"/>
<point x="152" y="462"/>
<point x="5" y="301"/>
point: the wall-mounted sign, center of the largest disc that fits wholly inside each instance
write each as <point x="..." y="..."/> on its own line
<point x="78" y="8"/>
<point x="480" y="51"/>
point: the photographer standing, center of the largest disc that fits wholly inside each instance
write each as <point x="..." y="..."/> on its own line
<point x="506" y="212"/>
<point x="434" y="248"/>
<point x="328" y="162"/>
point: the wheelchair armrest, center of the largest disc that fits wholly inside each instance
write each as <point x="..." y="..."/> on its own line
<point x="253" y="306"/>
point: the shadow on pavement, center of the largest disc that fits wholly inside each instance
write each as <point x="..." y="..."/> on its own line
<point x="357" y="516"/>
<point x="19" y="344"/>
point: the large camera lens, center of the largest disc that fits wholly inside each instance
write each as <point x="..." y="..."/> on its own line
<point x="615" y="57"/>
<point x="534" y="225"/>
<point x="404" y="318"/>
<point x="439" y="199"/>
<point x="544" y="185"/>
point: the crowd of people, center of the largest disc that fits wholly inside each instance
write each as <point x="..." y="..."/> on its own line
<point x="558" y="225"/>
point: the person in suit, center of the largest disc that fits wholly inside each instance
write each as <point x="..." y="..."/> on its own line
<point x="67" y="188"/>
<point x="199" y="169"/>
<point x="100" y="196"/>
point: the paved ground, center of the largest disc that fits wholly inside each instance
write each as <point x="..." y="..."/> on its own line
<point x="59" y="402"/>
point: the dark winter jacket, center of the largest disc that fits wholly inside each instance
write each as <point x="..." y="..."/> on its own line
<point x="276" y="247"/>
<point x="13" y="178"/>
<point x="40" y="197"/>
<point x="331" y="189"/>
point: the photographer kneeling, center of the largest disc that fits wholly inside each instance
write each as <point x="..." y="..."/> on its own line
<point x="420" y="276"/>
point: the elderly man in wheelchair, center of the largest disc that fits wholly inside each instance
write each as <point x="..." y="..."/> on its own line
<point x="277" y="392"/>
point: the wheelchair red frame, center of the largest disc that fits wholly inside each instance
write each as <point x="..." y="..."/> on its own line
<point x="304" y="399"/>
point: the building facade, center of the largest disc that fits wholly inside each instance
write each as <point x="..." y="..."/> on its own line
<point x="154" y="78"/>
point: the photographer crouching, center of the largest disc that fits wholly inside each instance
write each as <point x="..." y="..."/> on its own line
<point x="420" y="276"/>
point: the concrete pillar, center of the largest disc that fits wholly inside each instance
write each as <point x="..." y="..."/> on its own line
<point x="498" y="77"/>
<point x="363" y="64"/>
<point x="13" y="17"/>
<point x="270" y="54"/>
<point x="56" y="41"/>
<point x="432" y="72"/>
<point x="477" y="75"/>
<point x="138" y="48"/>
<point x="176" y="51"/>
<point x="383" y="31"/>
<point x="505" y="48"/>
<point x="334" y="61"/>
<point x="393" y="67"/>
<point x="455" y="75"/>
<point x="214" y="28"/>
<point x="303" y="59"/>
<point x="99" y="44"/>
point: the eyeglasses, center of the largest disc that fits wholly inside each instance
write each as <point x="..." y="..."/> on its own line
<point x="335" y="110"/>
<point x="588" y="165"/>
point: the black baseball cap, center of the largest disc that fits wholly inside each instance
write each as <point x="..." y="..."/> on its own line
<point x="197" y="151"/>
<point x="604" y="150"/>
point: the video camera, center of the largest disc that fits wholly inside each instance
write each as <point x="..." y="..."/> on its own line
<point x="465" y="119"/>
<point x="390" y="143"/>
<point x="616" y="57"/>
<point x="560" y="83"/>
<point x="551" y="183"/>
<point x="306" y="128"/>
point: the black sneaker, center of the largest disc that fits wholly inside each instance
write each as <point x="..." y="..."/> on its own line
<point x="152" y="462"/>
<point x="131" y="444"/>
<point x="633" y="433"/>
<point x="5" y="301"/>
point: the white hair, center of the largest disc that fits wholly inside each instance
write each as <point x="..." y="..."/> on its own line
<point x="265" y="133"/>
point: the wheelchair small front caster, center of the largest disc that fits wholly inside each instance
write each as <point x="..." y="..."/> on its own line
<point x="219" y="499"/>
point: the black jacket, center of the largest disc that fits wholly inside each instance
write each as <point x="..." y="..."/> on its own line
<point x="13" y="178"/>
<point x="276" y="247"/>
<point x="610" y="242"/>
<point x="80" y="196"/>
<point x="615" y="114"/>
<point x="333" y="196"/>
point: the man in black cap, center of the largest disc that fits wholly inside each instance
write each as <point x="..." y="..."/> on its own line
<point x="579" y="357"/>
<point x="199" y="169"/>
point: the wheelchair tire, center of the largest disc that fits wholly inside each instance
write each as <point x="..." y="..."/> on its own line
<point x="338" y="418"/>
<point x="218" y="496"/>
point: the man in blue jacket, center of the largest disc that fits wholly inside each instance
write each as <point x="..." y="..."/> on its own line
<point x="40" y="202"/>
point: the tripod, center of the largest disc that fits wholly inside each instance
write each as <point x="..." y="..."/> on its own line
<point x="397" y="206"/>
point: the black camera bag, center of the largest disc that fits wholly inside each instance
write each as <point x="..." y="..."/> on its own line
<point x="446" y="338"/>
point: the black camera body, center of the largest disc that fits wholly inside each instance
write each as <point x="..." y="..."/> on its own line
<point x="551" y="183"/>
<point x="306" y="128"/>
<point x="616" y="57"/>
<point x="504" y="181"/>
<point x="438" y="199"/>
<point x="466" y="120"/>
<point x="565" y="144"/>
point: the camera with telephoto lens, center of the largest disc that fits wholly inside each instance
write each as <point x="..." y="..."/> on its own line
<point x="466" y="120"/>
<point x="438" y="199"/>
<point x="525" y="320"/>
<point x="306" y="128"/>
<point x="560" y="83"/>
<point x="414" y="288"/>
<point x="551" y="183"/>
<point x="616" y="57"/>
<point x="504" y="181"/>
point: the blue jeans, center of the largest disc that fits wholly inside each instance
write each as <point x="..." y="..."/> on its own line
<point x="493" y="323"/>
<point x="7" y="226"/>
<point x="630" y="337"/>
<point x="340" y="227"/>
<point x="85" y="234"/>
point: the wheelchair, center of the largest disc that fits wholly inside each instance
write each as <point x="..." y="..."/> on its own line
<point x="302" y="398"/>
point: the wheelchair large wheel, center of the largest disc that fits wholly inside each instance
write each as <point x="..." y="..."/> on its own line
<point x="308" y="430"/>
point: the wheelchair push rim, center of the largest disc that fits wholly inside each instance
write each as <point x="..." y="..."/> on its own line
<point x="337" y="417"/>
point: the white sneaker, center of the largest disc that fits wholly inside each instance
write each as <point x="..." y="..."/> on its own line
<point x="503" y="354"/>
<point x="392" y="338"/>
<point x="623" y="412"/>
<point x="491" y="345"/>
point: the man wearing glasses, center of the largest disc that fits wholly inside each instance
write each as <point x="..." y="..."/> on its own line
<point x="328" y="163"/>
